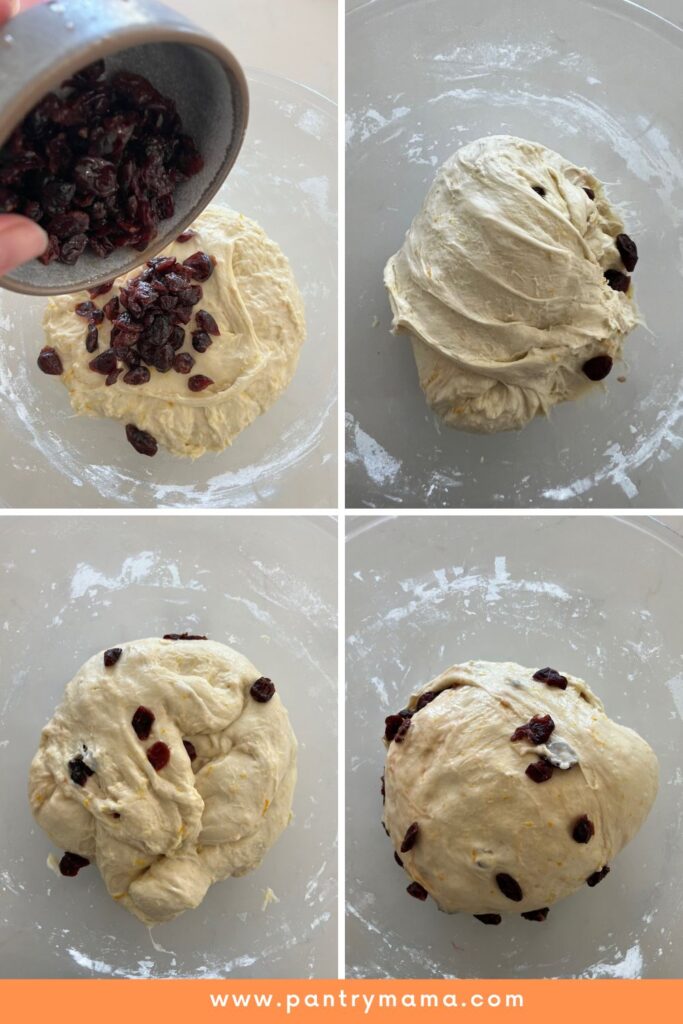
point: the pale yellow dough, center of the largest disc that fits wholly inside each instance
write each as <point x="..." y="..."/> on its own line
<point x="502" y="290"/>
<point x="192" y="823"/>
<point x="255" y="301"/>
<point x="461" y="778"/>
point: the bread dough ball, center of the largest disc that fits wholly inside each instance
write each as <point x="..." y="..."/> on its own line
<point x="501" y="284"/>
<point x="254" y="299"/>
<point x="474" y="830"/>
<point x="165" y="807"/>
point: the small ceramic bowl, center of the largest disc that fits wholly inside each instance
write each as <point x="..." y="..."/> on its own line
<point x="46" y="44"/>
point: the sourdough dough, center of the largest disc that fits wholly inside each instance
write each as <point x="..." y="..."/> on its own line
<point x="503" y="290"/>
<point x="461" y="778"/>
<point x="255" y="301"/>
<point x="161" y="838"/>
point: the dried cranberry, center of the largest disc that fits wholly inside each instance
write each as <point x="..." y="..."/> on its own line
<point x="143" y="442"/>
<point x="67" y="225"/>
<point x="205" y="322"/>
<point x="200" y="341"/>
<point x="617" y="281"/>
<point x="104" y="363"/>
<point x="488" y="918"/>
<point x="199" y="382"/>
<point x="85" y="309"/>
<point x="597" y="876"/>
<point x="391" y="726"/>
<point x="71" y="864"/>
<point x="589" y="192"/>
<point x="398" y="859"/>
<point x="51" y="251"/>
<point x="72" y="249"/>
<point x="112" y="308"/>
<point x="200" y="265"/>
<point x="183" y="636"/>
<point x="598" y="367"/>
<point x="183" y="362"/>
<point x="112" y="656"/>
<point x="628" y="251"/>
<point x="417" y="890"/>
<point x="538" y="189"/>
<point x="262" y="690"/>
<point x="142" y="722"/>
<point x="186" y="235"/>
<point x="551" y="678"/>
<point x="158" y="756"/>
<point x="49" y="361"/>
<point x="190" y="750"/>
<point x="583" y="830"/>
<point x="411" y="837"/>
<point x="113" y="376"/>
<point x="539" y="771"/>
<point x="537" y="730"/>
<point x="91" y="339"/>
<point x="101" y="289"/>
<point x="138" y="375"/>
<point x="536" y="915"/>
<point x="509" y="887"/>
<point x="79" y="771"/>
<point x="402" y="730"/>
<point x="424" y="699"/>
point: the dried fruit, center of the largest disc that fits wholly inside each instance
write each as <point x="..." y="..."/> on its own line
<point x="537" y="730"/>
<point x="262" y="690"/>
<point x="417" y="890"/>
<point x="97" y="164"/>
<point x="190" y="750"/>
<point x="49" y="361"/>
<point x="183" y="362"/>
<point x="539" y="771"/>
<point x="142" y="722"/>
<point x="200" y="265"/>
<point x="398" y="859"/>
<point x="201" y="341"/>
<point x="112" y="377"/>
<point x="205" y="322"/>
<point x="509" y="887"/>
<point x="424" y="699"/>
<point x="589" y="192"/>
<point x="71" y="864"/>
<point x="100" y="289"/>
<point x="91" y="339"/>
<point x="186" y="235"/>
<point x="628" y="251"/>
<point x="382" y="787"/>
<point x="141" y="440"/>
<point x="597" y="876"/>
<point x="391" y="726"/>
<point x="617" y="281"/>
<point x="112" y="656"/>
<point x="138" y="375"/>
<point x="104" y="363"/>
<point x="411" y="837"/>
<point x="199" y="382"/>
<point x="183" y="636"/>
<point x="538" y="189"/>
<point x="551" y="678"/>
<point x="488" y="918"/>
<point x="598" y="367"/>
<point x="79" y="771"/>
<point x="158" y="756"/>
<point x="583" y="830"/>
<point x="402" y="730"/>
<point x="536" y="915"/>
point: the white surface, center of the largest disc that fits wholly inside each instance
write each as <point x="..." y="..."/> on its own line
<point x="293" y="38"/>
<point x="265" y="586"/>
<point x="599" y="597"/>
<point x="285" y="179"/>
<point x="422" y="79"/>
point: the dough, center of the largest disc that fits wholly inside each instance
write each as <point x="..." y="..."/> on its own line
<point x="503" y="290"/>
<point x="457" y="775"/>
<point x="255" y="301"/>
<point x="160" y="838"/>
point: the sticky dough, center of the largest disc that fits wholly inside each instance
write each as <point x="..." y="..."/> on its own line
<point x="255" y="301"/>
<point x="459" y="777"/>
<point x="192" y="823"/>
<point x="502" y="290"/>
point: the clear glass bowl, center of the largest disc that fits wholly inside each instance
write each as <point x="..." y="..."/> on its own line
<point x="285" y="179"/>
<point x="599" y="597"/>
<point x="600" y="82"/>
<point x="265" y="586"/>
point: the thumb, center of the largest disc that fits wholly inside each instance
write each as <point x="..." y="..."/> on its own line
<point x="21" y="239"/>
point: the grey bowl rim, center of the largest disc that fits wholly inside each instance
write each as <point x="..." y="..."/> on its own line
<point x="123" y="38"/>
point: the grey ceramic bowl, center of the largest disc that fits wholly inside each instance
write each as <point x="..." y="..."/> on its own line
<point x="46" y="44"/>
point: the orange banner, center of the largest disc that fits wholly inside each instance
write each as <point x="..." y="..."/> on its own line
<point x="194" y="1002"/>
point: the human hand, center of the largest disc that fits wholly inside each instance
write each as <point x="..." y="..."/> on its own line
<point x="21" y="239"/>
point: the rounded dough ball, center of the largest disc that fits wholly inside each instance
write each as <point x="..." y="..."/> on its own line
<point x="502" y="289"/>
<point x="459" y="776"/>
<point x="254" y="299"/>
<point x="161" y="838"/>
